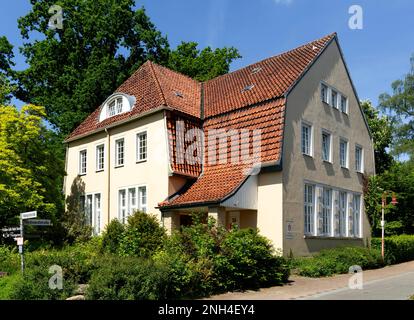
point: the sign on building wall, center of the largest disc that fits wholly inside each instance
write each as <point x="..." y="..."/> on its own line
<point x="289" y="230"/>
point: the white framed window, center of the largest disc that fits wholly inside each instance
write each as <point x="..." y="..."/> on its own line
<point x="119" y="152"/>
<point x="343" y="153"/>
<point x="326" y="146"/>
<point x="342" y="213"/>
<point x="356" y="215"/>
<point x="97" y="214"/>
<point x="142" y="146"/>
<point x="131" y="199"/>
<point x="324" y="92"/>
<point x="344" y="104"/>
<point x="122" y="206"/>
<point x="326" y="211"/>
<point x="111" y="109"/>
<point x="334" y="99"/>
<point x="100" y="157"/>
<point x="114" y="107"/>
<point x="309" y="208"/>
<point x="142" y="192"/>
<point x="306" y="139"/>
<point x="119" y="105"/>
<point x="359" y="159"/>
<point x="82" y="161"/>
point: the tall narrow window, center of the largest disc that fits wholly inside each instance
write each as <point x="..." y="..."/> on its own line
<point x="342" y="213"/>
<point x="142" y="146"/>
<point x="122" y="208"/>
<point x="324" y="93"/>
<point x="132" y="200"/>
<point x="309" y="208"/>
<point x="119" y="152"/>
<point x="334" y="99"/>
<point x="326" y="146"/>
<point x="326" y="217"/>
<point x="97" y="214"/>
<point x="343" y="153"/>
<point x="82" y="162"/>
<point x="356" y="215"/>
<point x="119" y="105"/>
<point x="111" y="109"/>
<point x="142" y="198"/>
<point x="358" y="159"/>
<point x="100" y="157"/>
<point x="88" y="210"/>
<point x="344" y="104"/>
<point x="306" y="139"/>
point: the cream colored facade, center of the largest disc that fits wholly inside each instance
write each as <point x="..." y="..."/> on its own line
<point x="152" y="173"/>
<point x="272" y="201"/>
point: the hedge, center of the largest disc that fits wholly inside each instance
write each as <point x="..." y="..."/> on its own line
<point x="398" y="249"/>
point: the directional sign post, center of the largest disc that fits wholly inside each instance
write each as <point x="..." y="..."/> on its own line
<point x="24" y="216"/>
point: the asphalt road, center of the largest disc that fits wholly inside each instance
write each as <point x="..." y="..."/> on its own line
<point x="398" y="287"/>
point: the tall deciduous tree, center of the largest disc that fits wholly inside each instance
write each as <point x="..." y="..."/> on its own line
<point x="72" y="70"/>
<point x="30" y="170"/>
<point x="381" y="130"/>
<point x="400" y="106"/>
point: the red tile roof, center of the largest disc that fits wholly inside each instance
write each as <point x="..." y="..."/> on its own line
<point x="249" y="98"/>
<point x="219" y="180"/>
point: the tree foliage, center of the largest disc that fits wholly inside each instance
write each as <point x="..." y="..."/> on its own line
<point x="381" y="130"/>
<point x="74" y="69"/>
<point x="400" y="106"/>
<point x="30" y="170"/>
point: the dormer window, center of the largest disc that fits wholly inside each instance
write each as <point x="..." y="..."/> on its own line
<point x="116" y="104"/>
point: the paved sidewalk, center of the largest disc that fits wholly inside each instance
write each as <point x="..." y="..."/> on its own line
<point x="301" y="287"/>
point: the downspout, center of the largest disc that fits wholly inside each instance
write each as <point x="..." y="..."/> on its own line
<point x="108" y="136"/>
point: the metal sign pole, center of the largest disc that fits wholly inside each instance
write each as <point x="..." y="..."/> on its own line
<point x="21" y="246"/>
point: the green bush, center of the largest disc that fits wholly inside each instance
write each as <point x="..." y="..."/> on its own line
<point x="246" y="260"/>
<point x="397" y="248"/>
<point x="112" y="236"/>
<point x="9" y="259"/>
<point x="7" y="284"/>
<point x="128" y="278"/>
<point x="143" y="235"/>
<point x="34" y="285"/>
<point x="337" y="261"/>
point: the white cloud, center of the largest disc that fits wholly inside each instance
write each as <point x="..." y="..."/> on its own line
<point x="283" y="2"/>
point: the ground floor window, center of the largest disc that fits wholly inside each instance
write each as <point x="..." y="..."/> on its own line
<point x="331" y="212"/>
<point x="131" y="199"/>
<point x="91" y="206"/>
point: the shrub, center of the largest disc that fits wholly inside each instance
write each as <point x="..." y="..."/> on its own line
<point x="247" y="260"/>
<point x="128" y="278"/>
<point x="339" y="260"/>
<point x="112" y="235"/>
<point x="9" y="259"/>
<point x="6" y="285"/>
<point x="34" y="285"/>
<point x="397" y="248"/>
<point x="143" y="235"/>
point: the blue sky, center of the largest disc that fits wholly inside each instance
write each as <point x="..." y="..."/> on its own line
<point x="376" y="55"/>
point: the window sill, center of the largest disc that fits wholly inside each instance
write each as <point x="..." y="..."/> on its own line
<point x="81" y="174"/>
<point x="327" y="162"/>
<point x="141" y="161"/>
<point x="102" y="170"/>
<point x="345" y="168"/>
<point x="120" y="166"/>
<point x="360" y="172"/>
<point x="309" y="237"/>
<point x="307" y="155"/>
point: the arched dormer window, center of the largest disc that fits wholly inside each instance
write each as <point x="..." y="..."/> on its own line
<point x="116" y="104"/>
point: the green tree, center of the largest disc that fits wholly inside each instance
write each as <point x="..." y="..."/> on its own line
<point x="74" y="69"/>
<point x="381" y="130"/>
<point x="30" y="170"/>
<point x="201" y="65"/>
<point x="6" y="63"/>
<point x="400" y="106"/>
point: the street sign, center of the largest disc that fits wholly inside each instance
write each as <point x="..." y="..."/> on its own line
<point x="38" y="222"/>
<point x="11" y="235"/>
<point x="19" y="241"/>
<point x="28" y="215"/>
<point x="10" y="229"/>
